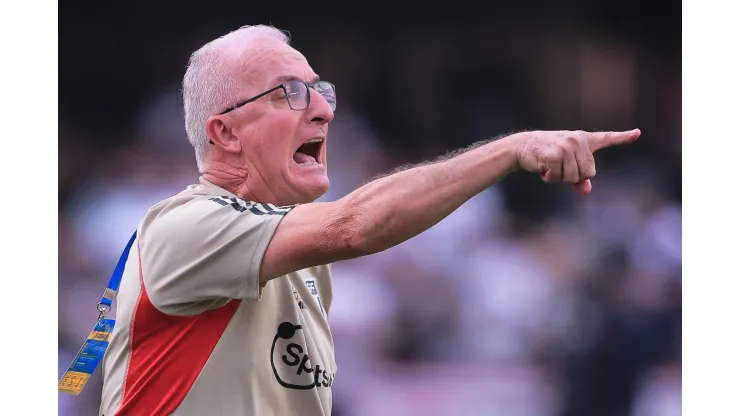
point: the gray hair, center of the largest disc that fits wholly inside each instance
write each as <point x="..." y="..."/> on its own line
<point x="209" y="85"/>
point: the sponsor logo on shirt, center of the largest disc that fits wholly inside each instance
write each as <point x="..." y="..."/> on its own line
<point x="291" y="364"/>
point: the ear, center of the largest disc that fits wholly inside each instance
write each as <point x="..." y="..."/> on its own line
<point x="221" y="134"/>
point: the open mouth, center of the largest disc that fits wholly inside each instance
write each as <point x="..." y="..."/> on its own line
<point x="309" y="153"/>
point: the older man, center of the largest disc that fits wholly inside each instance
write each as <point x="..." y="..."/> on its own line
<point x="223" y="305"/>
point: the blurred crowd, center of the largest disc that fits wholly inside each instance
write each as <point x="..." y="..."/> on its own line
<point x="529" y="300"/>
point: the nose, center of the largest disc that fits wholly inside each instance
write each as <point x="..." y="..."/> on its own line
<point x="319" y="111"/>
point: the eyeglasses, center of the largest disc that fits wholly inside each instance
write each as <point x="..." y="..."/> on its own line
<point x="297" y="94"/>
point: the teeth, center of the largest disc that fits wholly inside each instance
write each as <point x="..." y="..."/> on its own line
<point x="315" y="141"/>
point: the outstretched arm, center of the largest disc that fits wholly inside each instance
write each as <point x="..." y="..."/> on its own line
<point x="395" y="208"/>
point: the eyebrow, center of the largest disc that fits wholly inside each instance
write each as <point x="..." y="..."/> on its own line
<point x="286" y="78"/>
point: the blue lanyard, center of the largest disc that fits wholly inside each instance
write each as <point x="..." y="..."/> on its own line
<point x="115" y="280"/>
<point x="93" y="350"/>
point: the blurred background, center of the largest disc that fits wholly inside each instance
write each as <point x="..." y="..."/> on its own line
<point x="528" y="300"/>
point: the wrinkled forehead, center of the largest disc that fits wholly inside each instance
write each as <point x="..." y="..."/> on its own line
<point x="265" y="63"/>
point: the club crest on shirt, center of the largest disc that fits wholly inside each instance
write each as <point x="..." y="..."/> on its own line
<point x="311" y="285"/>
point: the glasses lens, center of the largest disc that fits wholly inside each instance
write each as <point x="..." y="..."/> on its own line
<point x="326" y="89"/>
<point x="297" y="95"/>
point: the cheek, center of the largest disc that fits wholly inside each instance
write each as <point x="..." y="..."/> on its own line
<point x="268" y="157"/>
<point x="276" y="140"/>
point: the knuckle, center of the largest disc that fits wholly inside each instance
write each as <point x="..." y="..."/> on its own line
<point x="565" y="149"/>
<point x="573" y="141"/>
<point x="551" y="155"/>
<point x="560" y="150"/>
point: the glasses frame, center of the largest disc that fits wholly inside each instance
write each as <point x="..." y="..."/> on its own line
<point x="309" y="86"/>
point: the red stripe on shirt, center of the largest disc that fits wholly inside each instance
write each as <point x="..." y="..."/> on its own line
<point x="167" y="355"/>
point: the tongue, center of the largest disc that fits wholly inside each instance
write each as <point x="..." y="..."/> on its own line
<point x="303" y="159"/>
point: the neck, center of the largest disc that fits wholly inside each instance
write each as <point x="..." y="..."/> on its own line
<point x="235" y="180"/>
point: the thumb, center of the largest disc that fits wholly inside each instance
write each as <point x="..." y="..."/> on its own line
<point x="583" y="187"/>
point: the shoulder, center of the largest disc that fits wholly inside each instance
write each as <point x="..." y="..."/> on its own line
<point x="197" y="212"/>
<point x="186" y="202"/>
<point x="197" y="199"/>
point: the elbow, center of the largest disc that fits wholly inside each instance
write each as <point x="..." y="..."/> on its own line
<point x="354" y="232"/>
<point x="366" y="236"/>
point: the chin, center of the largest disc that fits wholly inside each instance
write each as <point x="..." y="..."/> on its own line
<point x="310" y="191"/>
<point x="309" y="183"/>
<point x="318" y="191"/>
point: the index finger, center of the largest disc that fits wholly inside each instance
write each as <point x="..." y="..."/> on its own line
<point x="603" y="139"/>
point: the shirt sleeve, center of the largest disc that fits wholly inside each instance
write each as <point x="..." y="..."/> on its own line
<point x="201" y="254"/>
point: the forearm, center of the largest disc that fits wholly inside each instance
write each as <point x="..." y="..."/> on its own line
<point x="398" y="207"/>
